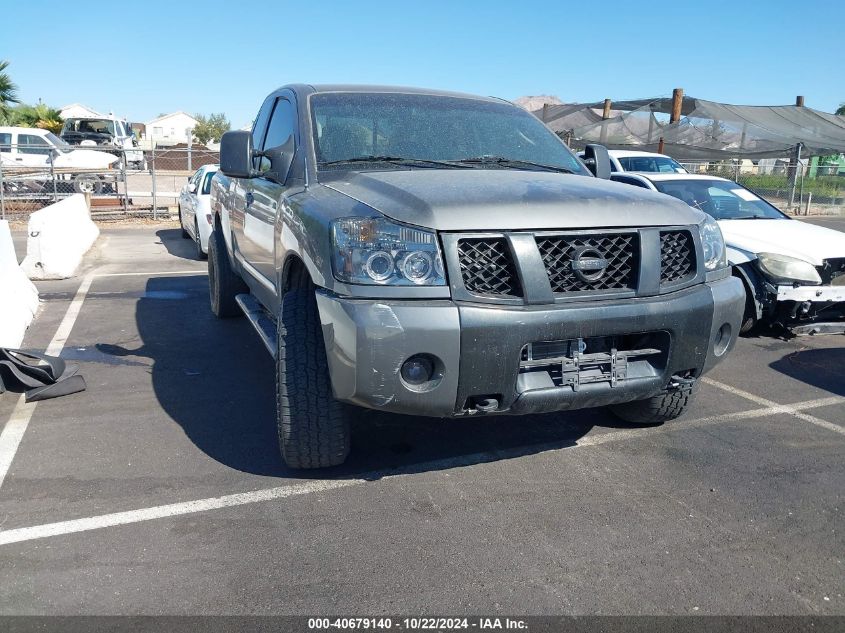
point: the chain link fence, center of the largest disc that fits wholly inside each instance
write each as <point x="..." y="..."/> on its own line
<point x="794" y="188"/>
<point x="151" y="187"/>
<point x="118" y="183"/>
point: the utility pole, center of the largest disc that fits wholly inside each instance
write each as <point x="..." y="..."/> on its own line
<point x="605" y="115"/>
<point x="794" y="160"/>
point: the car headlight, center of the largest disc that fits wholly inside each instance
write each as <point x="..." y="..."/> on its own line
<point x="377" y="251"/>
<point x="713" y="244"/>
<point x="785" y="269"/>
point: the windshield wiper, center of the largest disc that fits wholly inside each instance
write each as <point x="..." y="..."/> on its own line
<point x="395" y="160"/>
<point x="512" y="163"/>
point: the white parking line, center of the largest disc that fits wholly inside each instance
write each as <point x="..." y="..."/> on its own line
<point x="790" y="409"/>
<point x="60" y="528"/>
<point x="199" y="271"/>
<point x="10" y="438"/>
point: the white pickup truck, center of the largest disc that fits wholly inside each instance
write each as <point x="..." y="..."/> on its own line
<point x="32" y="149"/>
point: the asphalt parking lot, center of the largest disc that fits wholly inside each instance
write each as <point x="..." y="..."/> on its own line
<point x="160" y="490"/>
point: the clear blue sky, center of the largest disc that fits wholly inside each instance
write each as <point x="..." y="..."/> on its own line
<point x="150" y="57"/>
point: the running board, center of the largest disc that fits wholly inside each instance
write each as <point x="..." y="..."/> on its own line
<point x="260" y="320"/>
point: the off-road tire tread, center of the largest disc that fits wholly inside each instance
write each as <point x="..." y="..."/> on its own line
<point x="223" y="282"/>
<point x="314" y="428"/>
<point x="657" y="409"/>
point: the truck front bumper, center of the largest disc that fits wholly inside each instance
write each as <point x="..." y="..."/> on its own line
<point x="480" y="348"/>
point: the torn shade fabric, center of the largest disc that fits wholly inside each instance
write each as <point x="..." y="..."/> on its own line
<point x="706" y="130"/>
<point x="42" y="376"/>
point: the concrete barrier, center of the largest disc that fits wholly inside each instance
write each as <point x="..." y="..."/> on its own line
<point x="18" y="295"/>
<point x="59" y="235"/>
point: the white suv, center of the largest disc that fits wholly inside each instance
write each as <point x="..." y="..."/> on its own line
<point x="106" y="132"/>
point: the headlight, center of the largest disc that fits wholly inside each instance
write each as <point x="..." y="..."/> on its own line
<point x="782" y="268"/>
<point x="715" y="254"/>
<point x="377" y="251"/>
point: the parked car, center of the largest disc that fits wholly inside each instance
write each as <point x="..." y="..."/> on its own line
<point x="446" y="255"/>
<point x="793" y="272"/>
<point x="195" y="208"/>
<point x="105" y="132"/>
<point x="631" y="160"/>
<point x="36" y="148"/>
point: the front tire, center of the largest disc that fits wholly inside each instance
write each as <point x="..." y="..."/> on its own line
<point x="314" y="429"/>
<point x="200" y="254"/>
<point x="224" y="284"/>
<point x="656" y="410"/>
<point x="185" y="234"/>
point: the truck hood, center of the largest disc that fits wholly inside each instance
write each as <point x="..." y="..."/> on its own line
<point x="501" y="199"/>
<point x="85" y="159"/>
<point x="787" y="237"/>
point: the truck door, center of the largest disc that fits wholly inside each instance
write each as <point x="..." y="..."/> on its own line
<point x="241" y="188"/>
<point x="264" y="204"/>
<point x="33" y="151"/>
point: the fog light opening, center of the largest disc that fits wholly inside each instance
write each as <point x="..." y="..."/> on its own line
<point x="421" y="372"/>
<point x="417" y="370"/>
<point x="722" y="339"/>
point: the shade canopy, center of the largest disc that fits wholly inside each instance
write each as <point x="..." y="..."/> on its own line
<point x="706" y="130"/>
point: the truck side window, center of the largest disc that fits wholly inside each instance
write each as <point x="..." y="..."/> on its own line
<point x="260" y="126"/>
<point x="31" y="144"/>
<point x="5" y="142"/>
<point x="282" y="127"/>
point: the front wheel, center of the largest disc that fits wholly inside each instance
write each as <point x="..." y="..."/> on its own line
<point x="200" y="254"/>
<point x="185" y="234"/>
<point x="314" y="429"/>
<point x="656" y="410"/>
<point x="224" y="284"/>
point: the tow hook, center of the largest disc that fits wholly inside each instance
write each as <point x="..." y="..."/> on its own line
<point x="678" y="383"/>
<point x="487" y="405"/>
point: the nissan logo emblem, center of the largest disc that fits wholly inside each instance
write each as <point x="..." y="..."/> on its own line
<point x="588" y="264"/>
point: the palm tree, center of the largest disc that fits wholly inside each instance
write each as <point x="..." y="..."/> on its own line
<point x="8" y="90"/>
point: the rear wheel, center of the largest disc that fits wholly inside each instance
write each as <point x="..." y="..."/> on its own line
<point x="656" y="410"/>
<point x="314" y="429"/>
<point x="224" y="284"/>
<point x="87" y="183"/>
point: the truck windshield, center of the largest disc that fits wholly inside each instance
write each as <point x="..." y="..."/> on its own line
<point x="349" y="126"/>
<point x="721" y="199"/>
<point x="89" y="126"/>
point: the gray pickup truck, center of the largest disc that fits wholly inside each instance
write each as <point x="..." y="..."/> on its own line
<point x="446" y="255"/>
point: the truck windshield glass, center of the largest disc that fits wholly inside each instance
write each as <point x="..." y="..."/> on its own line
<point x="89" y="126"/>
<point x="721" y="199"/>
<point x="348" y="126"/>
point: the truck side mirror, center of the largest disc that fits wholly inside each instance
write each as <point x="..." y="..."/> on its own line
<point x="236" y="154"/>
<point x="281" y="158"/>
<point x="597" y="160"/>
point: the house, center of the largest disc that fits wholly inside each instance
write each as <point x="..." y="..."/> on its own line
<point x="77" y="110"/>
<point x="170" y="129"/>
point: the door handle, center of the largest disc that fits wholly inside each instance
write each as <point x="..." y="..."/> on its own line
<point x="249" y="199"/>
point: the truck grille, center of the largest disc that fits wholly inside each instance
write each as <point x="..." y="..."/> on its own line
<point x="561" y="255"/>
<point x="677" y="257"/>
<point x="487" y="267"/>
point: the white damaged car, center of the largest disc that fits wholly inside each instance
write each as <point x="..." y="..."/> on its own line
<point x="794" y="272"/>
